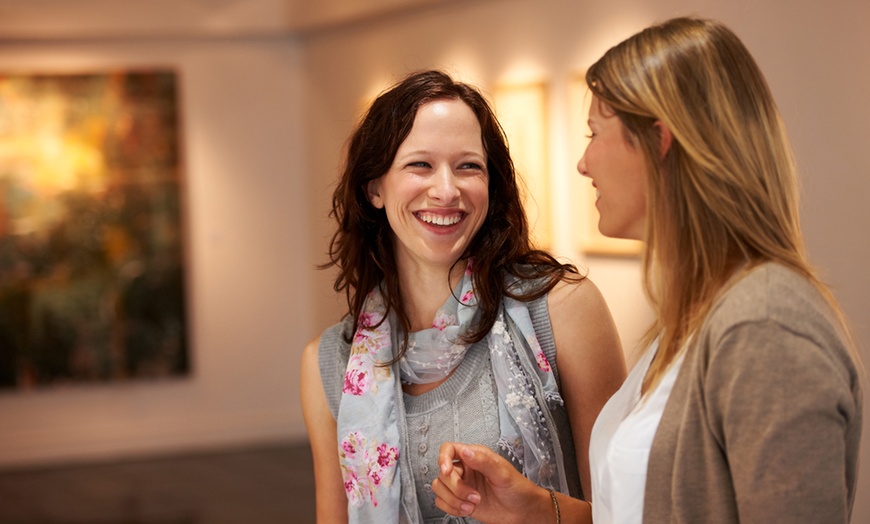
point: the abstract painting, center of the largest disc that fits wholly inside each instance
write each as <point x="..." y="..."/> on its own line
<point x="92" y="285"/>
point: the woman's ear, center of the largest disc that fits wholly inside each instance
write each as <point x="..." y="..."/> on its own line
<point x="373" y="191"/>
<point x="665" y="138"/>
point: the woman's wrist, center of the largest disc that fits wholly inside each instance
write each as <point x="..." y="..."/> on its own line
<point x="563" y="509"/>
<point x="538" y="506"/>
<point x="556" y="508"/>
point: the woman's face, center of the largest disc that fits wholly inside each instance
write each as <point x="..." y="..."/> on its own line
<point x="436" y="193"/>
<point x="618" y="172"/>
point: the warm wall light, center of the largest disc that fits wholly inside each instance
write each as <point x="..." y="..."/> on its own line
<point x="521" y="109"/>
<point x="585" y="231"/>
<point x="376" y="87"/>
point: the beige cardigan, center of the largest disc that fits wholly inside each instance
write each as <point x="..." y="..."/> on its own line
<point x="764" y="421"/>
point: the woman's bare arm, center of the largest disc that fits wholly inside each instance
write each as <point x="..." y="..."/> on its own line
<point x="589" y="359"/>
<point x="331" y="499"/>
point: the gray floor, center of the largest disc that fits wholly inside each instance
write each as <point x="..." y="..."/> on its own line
<point x="263" y="485"/>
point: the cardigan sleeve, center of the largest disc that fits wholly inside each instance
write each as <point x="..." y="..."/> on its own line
<point x="780" y="405"/>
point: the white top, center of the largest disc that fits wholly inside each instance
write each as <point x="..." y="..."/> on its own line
<point x="621" y="441"/>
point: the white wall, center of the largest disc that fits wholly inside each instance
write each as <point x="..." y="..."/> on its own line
<point x="241" y="102"/>
<point x="814" y="54"/>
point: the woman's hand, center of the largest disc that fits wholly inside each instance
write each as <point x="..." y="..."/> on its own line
<point x="476" y="481"/>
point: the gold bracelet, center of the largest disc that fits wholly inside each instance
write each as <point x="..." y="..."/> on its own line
<point x="555" y="505"/>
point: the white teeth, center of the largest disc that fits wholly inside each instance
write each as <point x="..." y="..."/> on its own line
<point x="440" y="220"/>
<point x="597" y="194"/>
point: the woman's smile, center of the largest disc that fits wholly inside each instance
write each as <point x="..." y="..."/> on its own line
<point x="436" y="193"/>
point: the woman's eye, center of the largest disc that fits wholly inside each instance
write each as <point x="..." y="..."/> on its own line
<point x="419" y="164"/>
<point x="470" y="165"/>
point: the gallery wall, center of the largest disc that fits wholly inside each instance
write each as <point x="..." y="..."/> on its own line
<point x="246" y="218"/>
<point x="264" y="123"/>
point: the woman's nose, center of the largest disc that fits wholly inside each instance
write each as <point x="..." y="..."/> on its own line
<point x="581" y="165"/>
<point x="444" y="188"/>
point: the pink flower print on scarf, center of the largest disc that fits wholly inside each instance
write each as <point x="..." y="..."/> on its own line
<point x="387" y="456"/>
<point x="540" y="357"/>
<point x="357" y="455"/>
<point x="352" y="487"/>
<point x="543" y="363"/>
<point x="443" y="321"/>
<point x="370" y="339"/>
<point x="357" y="378"/>
<point x="363" y="375"/>
<point x="362" y="372"/>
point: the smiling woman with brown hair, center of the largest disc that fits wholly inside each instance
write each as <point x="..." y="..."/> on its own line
<point x="457" y="328"/>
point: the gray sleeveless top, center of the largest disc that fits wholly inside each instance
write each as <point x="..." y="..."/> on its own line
<point x="461" y="409"/>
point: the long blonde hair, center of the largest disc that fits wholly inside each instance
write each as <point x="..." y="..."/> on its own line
<point x="724" y="197"/>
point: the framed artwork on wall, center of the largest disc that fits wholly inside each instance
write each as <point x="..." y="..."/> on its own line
<point x="586" y="235"/>
<point x="522" y="111"/>
<point x="92" y="284"/>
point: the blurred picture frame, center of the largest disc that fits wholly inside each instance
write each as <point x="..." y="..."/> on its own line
<point x="521" y="109"/>
<point x="92" y="273"/>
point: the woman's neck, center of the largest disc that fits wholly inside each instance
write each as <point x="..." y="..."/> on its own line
<point x="425" y="290"/>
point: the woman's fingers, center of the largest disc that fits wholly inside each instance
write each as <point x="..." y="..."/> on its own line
<point x="451" y="502"/>
<point x="448" y="455"/>
<point x="486" y="463"/>
<point x="456" y="485"/>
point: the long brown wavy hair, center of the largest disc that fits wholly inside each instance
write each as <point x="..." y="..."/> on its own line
<point x="362" y="245"/>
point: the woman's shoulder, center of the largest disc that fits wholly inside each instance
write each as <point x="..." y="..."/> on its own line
<point x="571" y="297"/>
<point x="331" y="351"/>
<point x="774" y="298"/>
<point x="575" y="293"/>
<point x="579" y="312"/>
<point x="769" y="291"/>
<point x="335" y="337"/>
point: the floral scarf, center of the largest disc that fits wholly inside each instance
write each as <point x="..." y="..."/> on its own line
<point x="371" y="411"/>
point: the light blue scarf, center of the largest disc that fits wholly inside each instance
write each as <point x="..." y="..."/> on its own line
<point x="371" y="408"/>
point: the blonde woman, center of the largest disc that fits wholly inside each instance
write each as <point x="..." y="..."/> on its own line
<point x="746" y="405"/>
